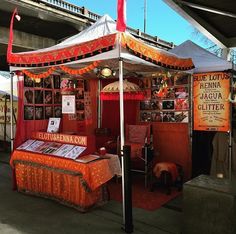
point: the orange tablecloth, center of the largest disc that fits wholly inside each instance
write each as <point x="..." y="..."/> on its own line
<point x="70" y="182"/>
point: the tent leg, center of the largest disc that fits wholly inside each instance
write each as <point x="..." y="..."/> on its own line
<point x="99" y="105"/>
<point x="12" y="138"/>
<point x="126" y="183"/>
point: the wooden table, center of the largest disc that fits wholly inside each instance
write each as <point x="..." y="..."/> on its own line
<point x="72" y="183"/>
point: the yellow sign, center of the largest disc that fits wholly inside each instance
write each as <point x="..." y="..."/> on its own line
<point x="211" y="108"/>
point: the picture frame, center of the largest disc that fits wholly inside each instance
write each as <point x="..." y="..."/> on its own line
<point x="28" y="96"/>
<point x="39" y="112"/>
<point x="56" y="81"/>
<point x="47" y="82"/>
<point x="168" y="105"/>
<point x="48" y="112"/>
<point x="38" y="96"/>
<point x="48" y="98"/>
<point x="28" y="82"/>
<point x="58" y="111"/>
<point x="28" y="112"/>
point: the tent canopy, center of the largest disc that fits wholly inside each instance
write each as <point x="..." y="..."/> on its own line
<point x="99" y="42"/>
<point x="203" y="60"/>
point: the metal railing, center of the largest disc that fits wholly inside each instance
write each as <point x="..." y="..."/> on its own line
<point x="69" y="7"/>
<point x="92" y="17"/>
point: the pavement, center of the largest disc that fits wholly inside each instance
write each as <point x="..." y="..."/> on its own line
<point x="25" y="214"/>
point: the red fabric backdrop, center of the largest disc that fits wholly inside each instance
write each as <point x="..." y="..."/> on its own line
<point x="24" y="128"/>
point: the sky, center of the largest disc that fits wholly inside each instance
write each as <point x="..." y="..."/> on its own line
<point x="161" y="20"/>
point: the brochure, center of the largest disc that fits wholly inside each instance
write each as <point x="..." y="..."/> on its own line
<point x="53" y="125"/>
<point x="35" y="145"/>
<point x="63" y="150"/>
<point x="25" y="144"/>
<point x="75" y="152"/>
<point x="43" y="147"/>
<point x="52" y="148"/>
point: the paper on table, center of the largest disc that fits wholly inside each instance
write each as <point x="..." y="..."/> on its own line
<point x="75" y="152"/>
<point x="63" y="150"/>
<point x="25" y="144"/>
<point x="52" y="148"/>
<point x="87" y="158"/>
<point x="34" y="145"/>
<point x="43" y="147"/>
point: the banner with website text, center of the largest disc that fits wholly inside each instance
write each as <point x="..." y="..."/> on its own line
<point x="211" y="108"/>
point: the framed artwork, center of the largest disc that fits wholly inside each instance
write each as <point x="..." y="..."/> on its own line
<point x="28" y="96"/>
<point x="157" y="116"/>
<point x="38" y="96"/>
<point x="48" y="112"/>
<point x="181" y="79"/>
<point x="57" y="97"/>
<point x="168" y="116"/>
<point x="47" y="97"/>
<point x="168" y="105"/>
<point x="39" y="112"/>
<point x="56" y="81"/>
<point x="28" y="112"/>
<point x="181" y="92"/>
<point x="181" y="117"/>
<point x="58" y="111"/>
<point x="145" y="116"/>
<point x="181" y="104"/>
<point x="28" y="82"/>
<point x="47" y="82"/>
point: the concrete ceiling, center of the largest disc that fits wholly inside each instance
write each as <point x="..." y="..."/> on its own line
<point x="216" y="19"/>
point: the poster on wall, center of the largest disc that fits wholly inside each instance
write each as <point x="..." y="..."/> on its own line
<point x="68" y="104"/>
<point x="211" y="108"/>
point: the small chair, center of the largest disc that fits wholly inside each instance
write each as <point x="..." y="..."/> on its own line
<point x="139" y="137"/>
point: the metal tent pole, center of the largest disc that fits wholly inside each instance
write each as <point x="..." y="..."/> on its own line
<point x="125" y="162"/>
<point x="12" y="138"/>
<point x="99" y="105"/>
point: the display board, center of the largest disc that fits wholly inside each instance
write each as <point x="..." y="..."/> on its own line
<point x="167" y="98"/>
<point x="42" y="98"/>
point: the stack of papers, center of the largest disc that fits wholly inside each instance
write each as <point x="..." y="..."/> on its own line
<point x="87" y="158"/>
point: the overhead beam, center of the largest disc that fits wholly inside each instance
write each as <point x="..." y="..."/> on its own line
<point x="208" y="9"/>
<point x="25" y="40"/>
<point x="201" y="25"/>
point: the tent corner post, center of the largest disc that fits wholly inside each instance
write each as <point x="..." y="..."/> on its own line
<point x="12" y="138"/>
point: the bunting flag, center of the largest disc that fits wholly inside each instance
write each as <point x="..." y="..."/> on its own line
<point x="121" y="16"/>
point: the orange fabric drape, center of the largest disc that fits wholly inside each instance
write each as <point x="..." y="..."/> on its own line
<point x="66" y="180"/>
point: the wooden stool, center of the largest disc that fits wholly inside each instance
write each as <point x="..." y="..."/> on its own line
<point x="167" y="174"/>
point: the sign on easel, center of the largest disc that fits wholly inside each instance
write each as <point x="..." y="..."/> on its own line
<point x="211" y="107"/>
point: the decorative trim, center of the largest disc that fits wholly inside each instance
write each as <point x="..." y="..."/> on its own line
<point x="154" y="56"/>
<point x="64" y="55"/>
